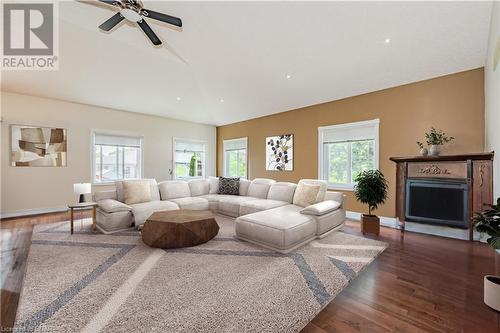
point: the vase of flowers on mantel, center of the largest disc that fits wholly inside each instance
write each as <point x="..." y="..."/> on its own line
<point x="434" y="139"/>
<point x="423" y="151"/>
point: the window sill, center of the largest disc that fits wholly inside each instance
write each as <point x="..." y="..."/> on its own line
<point x="104" y="183"/>
<point x="339" y="187"/>
<point x="188" y="178"/>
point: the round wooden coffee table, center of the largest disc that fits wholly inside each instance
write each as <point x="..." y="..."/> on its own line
<point x="179" y="228"/>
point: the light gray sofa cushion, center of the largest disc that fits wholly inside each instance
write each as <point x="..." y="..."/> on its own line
<point x="282" y="191"/>
<point x="244" y="184"/>
<point x="214" y="185"/>
<point x="213" y="200"/>
<point x="155" y="194"/>
<point x="259" y="187"/>
<point x="280" y="228"/>
<point x="144" y="210"/>
<point x="172" y="189"/>
<point x="194" y="203"/>
<point x="231" y="206"/>
<point x="199" y="187"/>
<point x="101" y="195"/>
<point x="113" y="206"/>
<point x="258" y="205"/>
<point x="321" y="208"/>
<point x="336" y="196"/>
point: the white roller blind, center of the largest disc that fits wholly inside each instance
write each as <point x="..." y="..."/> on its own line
<point x="117" y="140"/>
<point x="235" y="144"/>
<point x="189" y="146"/>
<point x="363" y="130"/>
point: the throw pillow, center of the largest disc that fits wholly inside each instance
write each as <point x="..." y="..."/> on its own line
<point x="305" y="195"/>
<point x="229" y="186"/>
<point x="136" y="191"/>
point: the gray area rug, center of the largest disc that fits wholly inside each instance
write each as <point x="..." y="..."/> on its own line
<point x="90" y="282"/>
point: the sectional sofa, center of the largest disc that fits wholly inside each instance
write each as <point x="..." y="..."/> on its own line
<point x="268" y="213"/>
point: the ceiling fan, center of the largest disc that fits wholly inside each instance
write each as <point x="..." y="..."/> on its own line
<point x="134" y="11"/>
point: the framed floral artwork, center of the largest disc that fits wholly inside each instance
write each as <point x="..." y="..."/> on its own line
<point x="279" y="153"/>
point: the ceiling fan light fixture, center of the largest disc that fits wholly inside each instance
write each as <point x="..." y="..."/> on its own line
<point x="134" y="11"/>
<point x="130" y="15"/>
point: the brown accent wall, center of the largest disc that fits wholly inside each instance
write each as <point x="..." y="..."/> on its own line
<point x="453" y="103"/>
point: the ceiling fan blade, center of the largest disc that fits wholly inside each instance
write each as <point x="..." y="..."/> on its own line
<point x="162" y="17"/>
<point x="111" y="22"/>
<point x="109" y="2"/>
<point x="149" y="32"/>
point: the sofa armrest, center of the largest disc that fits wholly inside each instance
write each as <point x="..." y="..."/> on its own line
<point x="336" y="196"/>
<point x="113" y="206"/>
<point x="321" y="208"/>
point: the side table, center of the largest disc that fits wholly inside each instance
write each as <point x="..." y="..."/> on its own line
<point x="81" y="206"/>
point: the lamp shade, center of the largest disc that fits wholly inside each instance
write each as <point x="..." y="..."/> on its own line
<point x="81" y="188"/>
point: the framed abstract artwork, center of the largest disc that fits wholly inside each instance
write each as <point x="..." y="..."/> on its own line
<point x="279" y="153"/>
<point x="34" y="146"/>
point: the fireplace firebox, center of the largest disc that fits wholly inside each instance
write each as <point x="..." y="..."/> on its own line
<point x="441" y="202"/>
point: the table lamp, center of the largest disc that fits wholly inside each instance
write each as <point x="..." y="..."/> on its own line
<point x="81" y="189"/>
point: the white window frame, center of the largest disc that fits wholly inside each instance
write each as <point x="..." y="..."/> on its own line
<point x="224" y="153"/>
<point x="204" y="165"/>
<point x="113" y="133"/>
<point x="322" y="161"/>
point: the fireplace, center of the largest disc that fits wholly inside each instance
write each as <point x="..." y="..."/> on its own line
<point x="441" y="202"/>
<point x="439" y="195"/>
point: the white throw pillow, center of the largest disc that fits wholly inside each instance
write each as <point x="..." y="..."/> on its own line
<point x="322" y="187"/>
<point x="136" y="191"/>
<point x="155" y="193"/>
<point x="305" y="195"/>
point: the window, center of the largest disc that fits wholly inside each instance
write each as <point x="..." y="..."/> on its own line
<point x="189" y="158"/>
<point x="345" y="150"/>
<point x="235" y="158"/>
<point x="116" y="157"/>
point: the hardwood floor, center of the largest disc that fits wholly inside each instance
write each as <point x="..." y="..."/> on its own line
<point x="15" y="236"/>
<point x="419" y="284"/>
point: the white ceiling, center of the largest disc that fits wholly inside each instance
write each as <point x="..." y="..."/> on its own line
<point x="241" y="52"/>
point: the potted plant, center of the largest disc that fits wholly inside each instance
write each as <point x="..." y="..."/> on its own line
<point x="371" y="189"/>
<point x="488" y="222"/>
<point x="423" y="150"/>
<point x="192" y="166"/>
<point x="436" y="138"/>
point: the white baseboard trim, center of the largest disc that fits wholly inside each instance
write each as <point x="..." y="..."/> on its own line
<point x="35" y="211"/>
<point x="391" y="222"/>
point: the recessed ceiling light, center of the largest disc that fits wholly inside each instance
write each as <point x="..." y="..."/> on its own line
<point x="222" y="100"/>
<point x="178" y="98"/>
<point x="387" y="40"/>
<point x="289" y="76"/>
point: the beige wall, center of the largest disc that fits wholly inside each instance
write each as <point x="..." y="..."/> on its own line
<point x="31" y="189"/>
<point x="492" y="95"/>
<point x="454" y="103"/>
